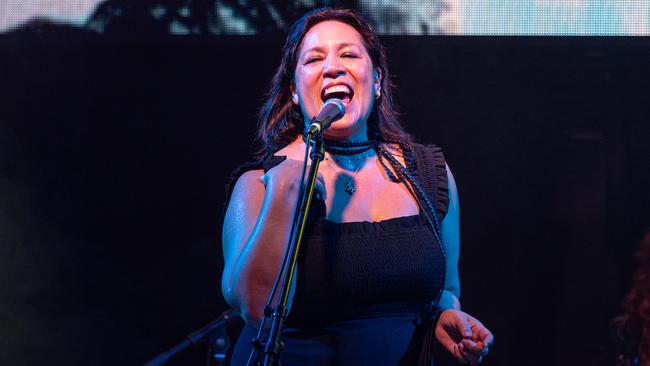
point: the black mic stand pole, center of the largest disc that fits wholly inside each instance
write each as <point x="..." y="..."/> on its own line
<point x="273" y="345"/>
<point x="206" y="332"/>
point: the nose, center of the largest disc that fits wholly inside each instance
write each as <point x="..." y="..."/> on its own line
<point x="333" y="67"/>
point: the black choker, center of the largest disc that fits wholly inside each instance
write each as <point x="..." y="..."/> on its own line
<point x="348" y="147"/>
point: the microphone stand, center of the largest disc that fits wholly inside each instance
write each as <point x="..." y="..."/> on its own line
<point x="273" y="345"/>
<point x="213" y="331"/>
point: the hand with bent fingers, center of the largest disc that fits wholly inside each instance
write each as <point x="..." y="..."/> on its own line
<point x="464" y="336"/>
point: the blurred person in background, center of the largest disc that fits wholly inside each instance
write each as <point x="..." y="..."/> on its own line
<point x="632" y="329"/>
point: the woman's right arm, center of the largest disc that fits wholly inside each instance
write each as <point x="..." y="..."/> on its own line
<point x="256" y="230"/>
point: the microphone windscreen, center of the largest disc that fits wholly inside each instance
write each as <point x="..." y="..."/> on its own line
<point x="333" y="110"/>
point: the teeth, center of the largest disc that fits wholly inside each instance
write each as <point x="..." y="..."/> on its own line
<point x="337" y="89"/>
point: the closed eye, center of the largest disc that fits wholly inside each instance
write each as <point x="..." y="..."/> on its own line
<point x="312" y="60"/>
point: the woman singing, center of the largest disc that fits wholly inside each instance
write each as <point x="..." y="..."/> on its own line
<point x="377" y="278"/>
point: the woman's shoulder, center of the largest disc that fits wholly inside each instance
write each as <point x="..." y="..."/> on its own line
<point x="430" y="167"/>
<point x="295" y="150"/>
<point x="247" y="174"/>
<point x="429" y="152"/>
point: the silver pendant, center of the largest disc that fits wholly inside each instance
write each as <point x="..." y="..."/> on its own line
<point x="349" y="186"/>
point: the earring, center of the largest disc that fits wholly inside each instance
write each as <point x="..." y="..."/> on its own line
<point x="295" y="99"/>
<point x="378" y="94"/>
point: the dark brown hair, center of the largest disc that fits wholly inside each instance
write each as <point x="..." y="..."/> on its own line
<point x="280" y="120"/>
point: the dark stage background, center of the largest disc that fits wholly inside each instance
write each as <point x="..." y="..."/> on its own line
<point x="114" y="153"/>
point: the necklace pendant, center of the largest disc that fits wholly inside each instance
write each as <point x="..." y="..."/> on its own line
<point x="349" y="186"/>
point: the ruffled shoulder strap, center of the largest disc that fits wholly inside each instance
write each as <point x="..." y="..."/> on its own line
<point x="430" y="169"/>
<point x="266" y="163"/>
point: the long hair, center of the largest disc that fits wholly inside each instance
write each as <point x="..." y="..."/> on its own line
<point x="634" y="325"/>
<point x="280" y="120"/>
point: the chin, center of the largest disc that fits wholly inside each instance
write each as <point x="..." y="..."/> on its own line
<point x="340" y="125"/>
<point x="340" y="131"/>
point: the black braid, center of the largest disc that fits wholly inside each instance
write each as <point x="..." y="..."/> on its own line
<point x="390" y="174"/>
<point x="405" y="176"/>
<point x="349" y="144"/>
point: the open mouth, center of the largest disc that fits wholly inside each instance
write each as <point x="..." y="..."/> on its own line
<point x="340" y="91"/>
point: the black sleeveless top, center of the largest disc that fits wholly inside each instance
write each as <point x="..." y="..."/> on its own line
<point x="361" y="285"/>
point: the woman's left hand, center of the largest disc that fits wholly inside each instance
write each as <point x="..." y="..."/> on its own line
<point x="464" y="336"/>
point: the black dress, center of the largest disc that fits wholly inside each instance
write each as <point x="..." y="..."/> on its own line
<point x="362" y="286"/>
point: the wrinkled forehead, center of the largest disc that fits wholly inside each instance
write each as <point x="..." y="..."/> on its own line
<point x="331" y="33"/>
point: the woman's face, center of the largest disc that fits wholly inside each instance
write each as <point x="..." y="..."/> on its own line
<point x="333" y="63"/>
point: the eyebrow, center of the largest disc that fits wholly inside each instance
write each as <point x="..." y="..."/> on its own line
<point x="340" y="45"/>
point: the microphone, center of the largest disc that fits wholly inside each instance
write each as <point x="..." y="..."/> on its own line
<point x="333" y="110"/>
